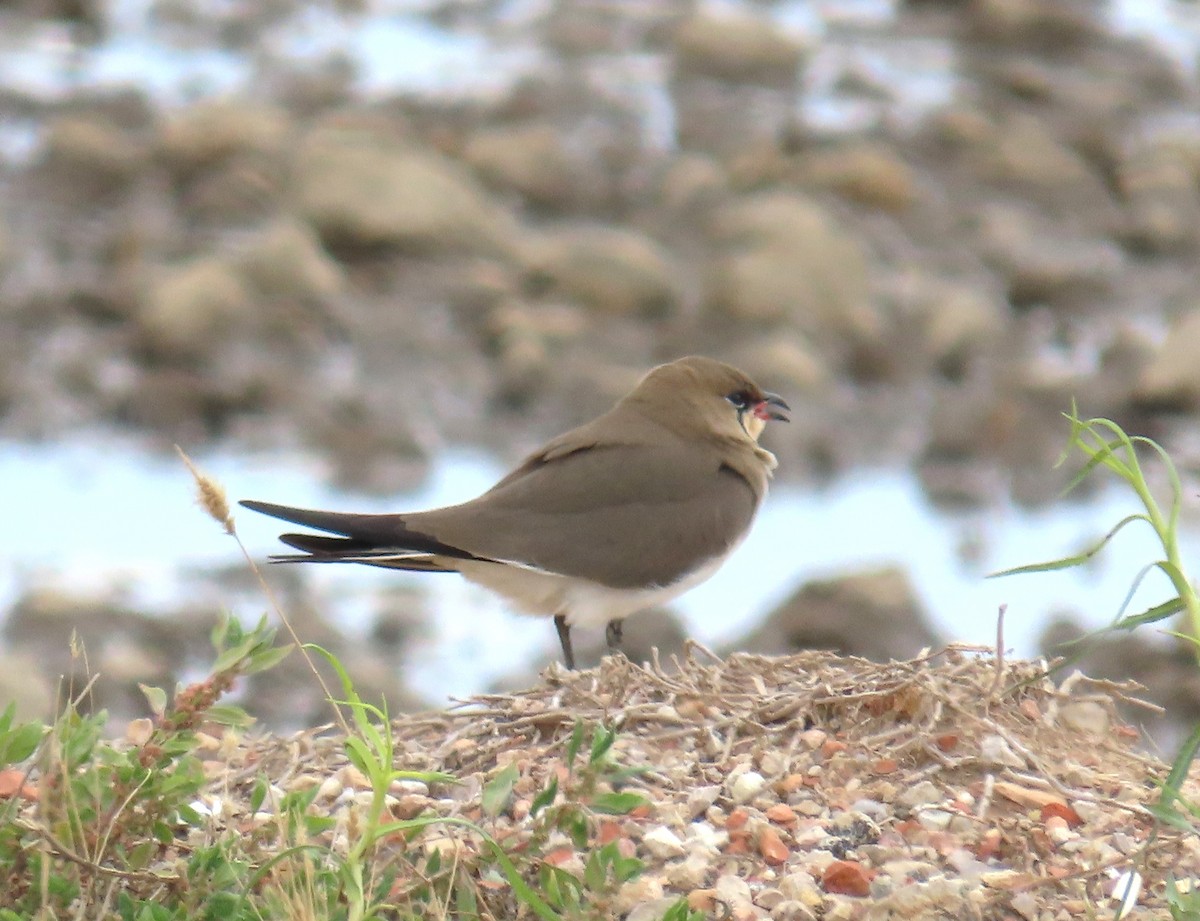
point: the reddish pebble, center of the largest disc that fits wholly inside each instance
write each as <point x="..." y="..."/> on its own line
<point x="846" y="877"/>
<point x="559" y="856"/>
<point x="12" y="783"/>
<point x="609" y="831"/>
<point x="1030" y="710"/>
<point x="831" y="748"/>
<point x="737" y="819"/>
<point x="737" y="845"/>
<point x="702" y="899"/>
<point x="885" y="766"/>
<point x="989" y="844"/>
<point x="771" y="846"/>
<point x="781" y="813"/>
<point x="789" y="784"/>
<point x="947" y="742"/>
<point x="1062" y="811"/>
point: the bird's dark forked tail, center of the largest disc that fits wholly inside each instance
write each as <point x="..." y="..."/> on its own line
<point x="375" y="540"/>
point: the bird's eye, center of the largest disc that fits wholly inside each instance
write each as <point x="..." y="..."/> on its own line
<point x="739" y="398"/>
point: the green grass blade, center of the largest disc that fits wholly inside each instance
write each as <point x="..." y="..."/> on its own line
<point x="1151" y="616"/>
<point x="1078" y="559"/>
<point x="1167" y="810"/>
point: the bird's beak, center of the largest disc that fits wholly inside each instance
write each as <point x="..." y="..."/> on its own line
<point x="772" y="407"/>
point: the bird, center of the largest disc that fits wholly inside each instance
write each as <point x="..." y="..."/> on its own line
<point x="621" y="514"/>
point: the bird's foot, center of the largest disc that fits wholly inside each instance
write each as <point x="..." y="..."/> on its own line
<point x="613" y="634"/>
<point x="564" y="640"/>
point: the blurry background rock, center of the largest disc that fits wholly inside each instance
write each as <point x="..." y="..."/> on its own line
<point x="931" y="225"/>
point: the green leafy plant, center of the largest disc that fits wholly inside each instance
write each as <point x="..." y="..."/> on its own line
<point x="1105" y="445"/>
<point x="110" y="812"/>
<point x="591" y="788"/>
<point x="1183" y="903"/>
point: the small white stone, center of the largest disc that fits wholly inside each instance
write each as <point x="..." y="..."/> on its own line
<point x="1026" y="905"/>
<point x="808" y="838"/>
<point x="801" y="887"/>
<point x="689" y="873"/>
<point x="329" y="789"/>
<point x="401" y="787"/>
<point x="707" y="837"/>
<point x="701" y="798"/>
<point x="768" y="898"/>
<point x="747" y="786"/>
<point x="923" y="794"/>
<point x="869" y="807"/>
<point x="813" y="738"/>
<point x="636" y="892"/>
<point x="733" y="891"/>
<point x="663" y="843"/>
<point x="1058" y="831"/>
<point x="996" y="750"/>
<point x="1126" y="890"/>
<point x="1086" y="716"/>
<point x="791" y="910"/>
<point x="935" y="819"/>
<point x="772" y="762"/>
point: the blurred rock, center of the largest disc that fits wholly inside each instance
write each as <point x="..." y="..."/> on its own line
<point x="875" y="615"/>
<point x="527" y="341"/>
<point x="692" y="182"/>
<point x="529" y="159"/>
<point x="289" y="697"/>
<point x="1044" y="263"/>
<point x="956" y="321"/>
<point x="89" y="159"/>
<point x="80" y="637"/>
<point x="372" y="445"/>
<point x="609" y="270"/>
<point x="1027" y="154"/>
<point x="968" y="427"/>
<point x="286" y="262"/>
<point x="362" y="191"/>
<point x="401" y="615"/>
<point x="1160" y="182"/>
<point x="869" y="173"/>
<point x="206" y="134"/>
<point x="1032" y="23"/>
<point x="786" y="359"/>
<point x="27" y="682"/>
<point x="226" y="160"/>
<point x="1172" y="378"/>
<point x="737" y="47"/>
<point x="189" y="305"/>
<point x="781" y="257"/>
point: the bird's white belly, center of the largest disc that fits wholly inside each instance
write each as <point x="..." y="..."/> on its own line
<point x="585" y="603"/>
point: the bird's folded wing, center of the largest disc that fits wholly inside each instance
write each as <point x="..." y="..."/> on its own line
<point x="622" y="515"/>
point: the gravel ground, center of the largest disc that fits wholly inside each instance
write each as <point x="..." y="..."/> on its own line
<point x="952" y="785"/>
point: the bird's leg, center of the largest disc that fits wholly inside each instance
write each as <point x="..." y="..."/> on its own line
<point x="564" y="639"/>
<point x="612" y="635"/>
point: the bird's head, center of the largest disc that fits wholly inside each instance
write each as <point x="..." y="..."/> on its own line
<point x="703" y="394"/>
